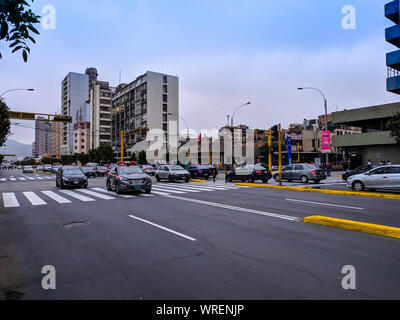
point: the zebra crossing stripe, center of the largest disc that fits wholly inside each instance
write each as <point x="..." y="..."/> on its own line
<point x="30" y="178"/>
<point x="194" y="188"/>
<point x="178" y="189"/>
<point x="56" y="197"/>
<point x="167" y="190"/>
<point x="10" y="201"/>
<point x="22" y="179"/>
<point x="39" y="178"/>
<point x="3" y="179"/>
<point x="160" y="193"/>
<point x="97" y="195"/>
<point x="77" y="196"/>
<point x="34" y="199"/>
<point x="13" y="179"/>
<point x="110" y="192"/>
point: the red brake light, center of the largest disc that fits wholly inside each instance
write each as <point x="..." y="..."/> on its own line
<point x="313" y="172"/>
<point x="259" y="171"/>
<point x="200" y="171"/>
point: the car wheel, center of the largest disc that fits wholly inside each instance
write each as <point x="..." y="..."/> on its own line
<point x="117" y="189"/>
<point x="170" y="179"/>
<point x="62" y="185"/>
<point x="265" y="180"/>
<point x="187" y="180"/>
<point x="317" y="181"/>
<point x="304" y="179"/>
<point x="277" y="179"/>
<point x="108" y="186"/>
<point x="148" y="191"/>
<point x="358" y="186"/>
<point x="157" y="178"/>
<point x="85" y="185"/>
<point x="57" y="184"/>
<point x="251" y="179"/>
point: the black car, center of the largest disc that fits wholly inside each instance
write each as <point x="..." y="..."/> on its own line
<point x="128" y="179"/>
<point x="199" y="171"/>
<point x="71" y="177"/>
<point x="249" y="173"/>
<point x="359" y="170"/>
<point x="89" y="172"/>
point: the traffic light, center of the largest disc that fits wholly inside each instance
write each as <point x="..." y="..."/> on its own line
<point x="275" y="133"/>
<point x="65" y="119"/>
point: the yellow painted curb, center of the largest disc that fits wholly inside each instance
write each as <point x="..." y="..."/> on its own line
<point x="45" y="173"/>
<point x="355" y="226"/>
<point x="328" y="191"/>
<point x="195" y="180"/>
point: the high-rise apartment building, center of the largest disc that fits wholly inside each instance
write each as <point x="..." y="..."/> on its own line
<point x="74" y="103"/>
<point x="100" y="110"/>
<point x="55" y="139"/>
<point x="149" y="102"/>
<point x="42" y="138"/>
<point x="82" y="137"/>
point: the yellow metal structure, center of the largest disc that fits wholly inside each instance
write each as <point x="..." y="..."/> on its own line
<point x="16" y="115"/>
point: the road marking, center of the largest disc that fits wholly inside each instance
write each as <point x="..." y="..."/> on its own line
<point x="30" y="178"/>
<point x="77" y="196"/>
<point x="224" y="206"/>
<point x="13" y="179"/>
<point x="177" y="188"/>
<point x="10" y="201"/>
<point x="167" y="190"/>
<point x="22" y="179"/>
<point x="325" y="204"/>
<point x="96" y="194"/>
<point x="3" y="179"/>
<point x="110" y="192"/>
<point x="56" y="197"/>
<point x="39" y="178"/>
<point x="185" y="187"/>
<point x="160" y="193"/>
<point x="34" y="199"/>
<point x="164" y="228"/>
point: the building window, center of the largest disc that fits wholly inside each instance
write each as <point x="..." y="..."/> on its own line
<point x="165" y="79"/>
<point x="165" y="98"/>
<point x="165" y="107"/>
<point x="165" y="88"/>
<point x="165" y="118"/>
<point x="165" y="127"/>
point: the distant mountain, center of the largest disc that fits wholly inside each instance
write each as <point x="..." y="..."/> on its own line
<point x="19" y="149"/>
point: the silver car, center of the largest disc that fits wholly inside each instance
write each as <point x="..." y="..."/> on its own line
<point x="303" y="172"/>
<point x="172" y="173"/>
<point x="387" y="177"/>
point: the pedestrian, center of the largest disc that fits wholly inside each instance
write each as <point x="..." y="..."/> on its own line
<point x="389" y="163"/>
<point x="328" y="169"/>
<point x="370" y="162"/>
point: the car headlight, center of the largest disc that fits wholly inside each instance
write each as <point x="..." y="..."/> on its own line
<point x="65" y="179"/>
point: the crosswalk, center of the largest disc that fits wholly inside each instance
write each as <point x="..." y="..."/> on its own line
<point x="26" y="178"/>
<point x="47" y="197"/>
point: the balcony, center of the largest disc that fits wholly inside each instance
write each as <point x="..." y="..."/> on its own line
<point x="393" y="84"/>
<point x="393" y="35"/>
<point x="393" y="60"/>
<point x="363" y="139"/>
<point x="392" y="11"/>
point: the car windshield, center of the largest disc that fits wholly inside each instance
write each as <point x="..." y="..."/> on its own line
<point x="101" y="168"/>
<point x="73" y="172"/>
<point x="176" y="168"/>
<point x="259" y="167"/>
<point x="311" y="167"/>
<point x="131" y="171"/>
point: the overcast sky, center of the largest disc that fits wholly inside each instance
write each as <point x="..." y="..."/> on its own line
<point x="225" y="52"/>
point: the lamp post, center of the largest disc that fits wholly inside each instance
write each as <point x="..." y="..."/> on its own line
<point x="1" y="96"/>
<point x="187" y="127"/>
<point x="233" y="131"/>
<point x="326" y="110"/>
<point x="236" y="110"/>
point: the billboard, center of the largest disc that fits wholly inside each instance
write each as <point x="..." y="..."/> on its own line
<point x="326" y="141"/>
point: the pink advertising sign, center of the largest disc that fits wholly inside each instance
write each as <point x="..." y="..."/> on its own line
<point x="326" y="141"/>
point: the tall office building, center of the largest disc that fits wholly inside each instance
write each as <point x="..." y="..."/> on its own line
<point x="55" y="140"/>
<point x="147" y="103"/>
<point x="74" y="103"/>
<point x="100" y="110"/>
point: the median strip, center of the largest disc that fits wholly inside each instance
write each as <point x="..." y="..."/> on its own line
<point x="196" y="180"/>
<point x="355" y="226"/>
<point x="328" y="191"/>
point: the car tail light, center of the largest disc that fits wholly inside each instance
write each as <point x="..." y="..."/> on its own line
<point x="313" y="172"/>
<point x="199" y="171"/>
<point x="259" y="171"/>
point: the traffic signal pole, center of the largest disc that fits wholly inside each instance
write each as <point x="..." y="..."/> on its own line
<point x="269" y="149"/>
<point x="280" y="153"/>
<point x="122" y="146"/>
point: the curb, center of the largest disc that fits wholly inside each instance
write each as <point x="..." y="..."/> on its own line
<point x="195" y="180"/>
<point x="355" y="226"/>
<point x="45" y="173"/>
<point x="328" y="191"/>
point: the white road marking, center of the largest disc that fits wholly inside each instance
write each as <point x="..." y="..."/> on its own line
<point x="110" y="192"/>
<point x="77" y="196"/>
<point x="10" y="201"/>
<point x="3" y="179"/>
<point x="13" y="179"/>
<point x="164" y="228"/>
<point x="56" y="197"/>
<point x="195" y="188"/>
<point x="160" y="193"/>
<point x="224" y="206"/>
<point x="34" y="199"/>
<point x="96" y="194"/>
<point x="22" y="179"/>
<point x="39" y="178"/>
<point x="167" y="190"/>
<point x="177" y="188"/>
<point x="324" y="204"/>
<point x="30" y="178"/>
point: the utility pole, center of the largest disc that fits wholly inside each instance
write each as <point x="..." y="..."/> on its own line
<point x="280" y="153"/>
<point x="122" y="146"/>
<point x="269" y="149"/>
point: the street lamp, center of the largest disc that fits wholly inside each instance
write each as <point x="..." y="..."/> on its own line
<point x="326" y="110"/>
<point x="187" y="127"/>
<point x="1" y="96"/>
<point x="237" y="109"/>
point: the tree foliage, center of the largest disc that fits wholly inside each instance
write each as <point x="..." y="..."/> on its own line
<point x="142" y="158"/>
<point x="103" y="154"/>
<point x="394" y="126"/>
<point x="4" y="123"/>
<point x="17" y="22"/>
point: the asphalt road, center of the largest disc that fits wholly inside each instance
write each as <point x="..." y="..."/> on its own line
<point x="190" y="241"/>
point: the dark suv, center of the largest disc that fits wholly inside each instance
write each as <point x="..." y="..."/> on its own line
<point x="71" y="177"/>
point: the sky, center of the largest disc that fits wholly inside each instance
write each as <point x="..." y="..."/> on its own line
<point x="225" y="53"/>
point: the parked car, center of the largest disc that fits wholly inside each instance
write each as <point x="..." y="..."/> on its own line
<point x="101" y="171"/>
<point x="199" y="171"/>
<point x="39" y="168"/>
<point x="359" y="170"/>
<point x="89" y="172"/>
<point x="71" y="177"/>
<point x="303" y="172"/>
<point x="387" y="177"/>
<point x="47" y="168"/>
<point x="94" y="165"/>
<point x="249" y="173"/>
<point x="148" y="169"/>
<point x="55" y="169"/>
<point x="125" y="179"/>
<point x="172" y="173"/>
<point x="27" y="169"/>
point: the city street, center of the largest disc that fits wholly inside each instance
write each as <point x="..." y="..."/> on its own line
<point x="190" y="241"/>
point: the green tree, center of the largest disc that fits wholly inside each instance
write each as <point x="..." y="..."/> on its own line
<point x="17" y="22"/>
<point x="134" y="157"/>
<point x="4" y="123"/>
<point x="1" y="158"/>
<point x="394" y="126"/>
<point x="142" y="158"/>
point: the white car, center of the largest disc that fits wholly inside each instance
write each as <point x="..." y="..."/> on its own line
<point x="387" y="177"/>
<point x="28" y="169"/>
